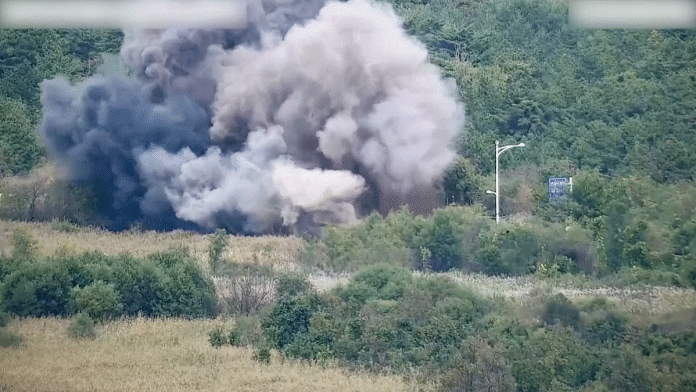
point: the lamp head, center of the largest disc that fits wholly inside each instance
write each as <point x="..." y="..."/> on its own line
<point x="490" y="192"/>
<point x="521" y="144"/>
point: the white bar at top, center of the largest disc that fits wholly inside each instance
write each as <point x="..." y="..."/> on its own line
<point x="633" y="14"/>
<point x="121" y="13"/>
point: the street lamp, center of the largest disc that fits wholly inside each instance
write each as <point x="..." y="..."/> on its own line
<point x="498" y="151"/>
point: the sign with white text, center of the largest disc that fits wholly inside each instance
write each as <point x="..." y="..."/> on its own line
<point x="559" y="186"/>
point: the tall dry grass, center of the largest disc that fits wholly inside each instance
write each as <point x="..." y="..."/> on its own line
<point x="281" y="252"/>
<point x="159" y="355"/>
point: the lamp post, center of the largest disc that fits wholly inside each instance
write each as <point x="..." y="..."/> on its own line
<point x="498" y="151"/>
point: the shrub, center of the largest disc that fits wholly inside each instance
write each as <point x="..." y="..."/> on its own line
<point x="25" y="246"/>
<point x="462" y="183"/>
<point x="450" y="238"/>
<point x="509" y="249"/>
<point x="628" y="370"/>
<point x="9" y="339"/>
<point x="374" y="240"/>
<point x="287" y="320"/>
<point x="382" y="281"/>
<point x="478" y="367"/>
<point x="82" y="326"/>
<point x="602" y="322"/>
<point x="246" y="331"/>
<point x="559" y="310"/>
<point x="37" y="289"/>
<point x="4" y="318"/>
<point x="292" y="284"/>
<point x="99" y="300"/>
<point x="262" y="354"/>
<point x="63" y="226"/>
<point x="217" y="337"/>
<point x="217" y="246"/>
<point x="246" y="288"/>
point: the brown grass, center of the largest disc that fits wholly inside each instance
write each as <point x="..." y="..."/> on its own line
<point x="159" y="355"/>
<point x="281" y="252"/>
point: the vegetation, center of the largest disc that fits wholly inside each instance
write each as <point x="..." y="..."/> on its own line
<point x="163" y="284"/>
<point x="136" y="354"/>
<point x="613" y="109"/>
<point x="429" y="327"/>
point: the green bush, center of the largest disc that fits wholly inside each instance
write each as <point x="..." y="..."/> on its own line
<point x="216" y="248"/>
<point x="82" y="326"/>
<point x="4" y="318"/>
<point x="9" y="339"/>
<point x="39" y="288"/>
<point x="509" y="249"/>
<point x="374" y="240"/>
<point x="381" y="282"/>
<point x="559" y="310"/>
<point x="217" y="337"/>
<point x="292" y="284"/>
<point x="288" y="320"/>
<point x="626" y="369"/>
<point x="246" y="331"/>
<point x="478" y="367"/>
<point x="164" y="284"/>
<point x="262" y="354"/>
<point x="450" y="238"/>
<point x="99" y="300"/>
<point x="24" y="245"/>
<point x="602" y="322"/>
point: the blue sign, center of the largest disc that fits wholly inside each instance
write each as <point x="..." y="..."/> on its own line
<point x="558" y="186"/>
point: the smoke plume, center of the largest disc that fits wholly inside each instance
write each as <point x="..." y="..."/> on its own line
<point x="301" y="113"/>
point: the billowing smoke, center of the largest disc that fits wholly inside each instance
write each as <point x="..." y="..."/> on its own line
<point x="299" y="114"/>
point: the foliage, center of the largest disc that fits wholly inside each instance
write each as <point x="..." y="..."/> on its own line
<point x="262" y="354"/>
<point x="218" y="244"/>
<point x="293" y="284"/>
<point x="479" y="367"/>
<point x="451" y="237"/>
<point x="164" y="284"/>
<point x="9" y="339"/>
<point x="24" y="245"/>
<point x="372" y="241"/>
<point x="246" y="331"/>
<point x="99" y="300"/>
<point x="462" y="183"/>
<point x="217" y="337"/>
<point x="559" y="310"/>
<point x="82" y="326"/>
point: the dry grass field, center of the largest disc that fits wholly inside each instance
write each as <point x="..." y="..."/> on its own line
<point x="158" y="355"/>
<point x="281" y="252"/>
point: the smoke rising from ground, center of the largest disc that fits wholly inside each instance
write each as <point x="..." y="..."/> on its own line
<point x="300" y="114"/>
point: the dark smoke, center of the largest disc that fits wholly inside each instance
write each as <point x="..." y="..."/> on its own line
<point x="300" y="114"/>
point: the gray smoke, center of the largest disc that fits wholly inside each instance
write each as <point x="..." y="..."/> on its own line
<point x="300" y="114"/>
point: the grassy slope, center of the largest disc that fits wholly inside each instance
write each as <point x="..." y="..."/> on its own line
<point x="158" y="355"/>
